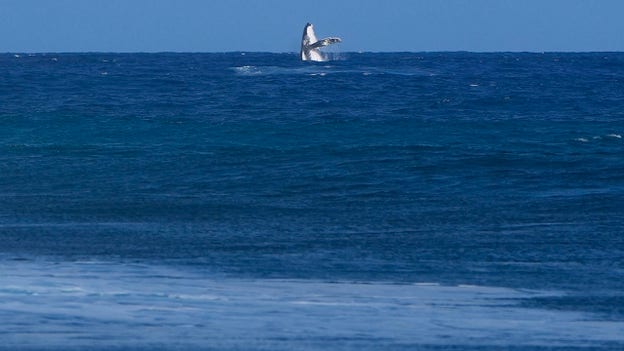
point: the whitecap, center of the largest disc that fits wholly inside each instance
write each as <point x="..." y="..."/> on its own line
<point x="247" y="70"/>
<point x="616" y="136"/>
<point x="467" y="286"/>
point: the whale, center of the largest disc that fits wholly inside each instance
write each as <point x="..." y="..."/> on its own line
<point x="310" y="46"/>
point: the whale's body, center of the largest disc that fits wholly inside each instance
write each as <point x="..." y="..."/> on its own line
<point x="310" y="46"/>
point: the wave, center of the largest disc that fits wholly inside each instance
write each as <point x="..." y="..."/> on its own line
<point x="611" y="136"/>
<point x="135" y="304"/>
<point x="323" y="70"/>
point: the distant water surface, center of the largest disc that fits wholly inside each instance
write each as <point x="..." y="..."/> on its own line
<point x="249" y="201"/>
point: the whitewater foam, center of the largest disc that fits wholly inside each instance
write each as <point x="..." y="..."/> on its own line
<point x="48" y="303"/>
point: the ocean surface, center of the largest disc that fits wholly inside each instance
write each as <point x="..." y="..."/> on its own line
<point x="250" y="201"/>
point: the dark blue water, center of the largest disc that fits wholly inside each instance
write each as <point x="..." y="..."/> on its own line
<point x="497" y="170"/>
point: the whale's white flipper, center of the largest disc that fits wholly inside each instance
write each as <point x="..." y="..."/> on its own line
<point x="310" y="45"/>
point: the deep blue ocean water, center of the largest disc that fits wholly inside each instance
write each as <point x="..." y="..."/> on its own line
<point x="249" y="201"/>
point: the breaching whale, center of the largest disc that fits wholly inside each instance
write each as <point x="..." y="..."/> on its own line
<point x="310" y="46"/>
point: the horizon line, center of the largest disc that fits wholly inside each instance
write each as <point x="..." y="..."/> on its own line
<point x="296" y="52"/>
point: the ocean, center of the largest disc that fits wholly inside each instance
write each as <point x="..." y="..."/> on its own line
<point x="250" y="201"/>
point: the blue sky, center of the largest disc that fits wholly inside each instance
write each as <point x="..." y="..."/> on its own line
<point x="276" y="25"/>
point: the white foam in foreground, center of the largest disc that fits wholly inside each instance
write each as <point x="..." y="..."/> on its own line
<point x="48" y="305"/>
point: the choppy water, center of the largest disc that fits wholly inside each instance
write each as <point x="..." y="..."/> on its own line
<point x="436" y="201"/>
